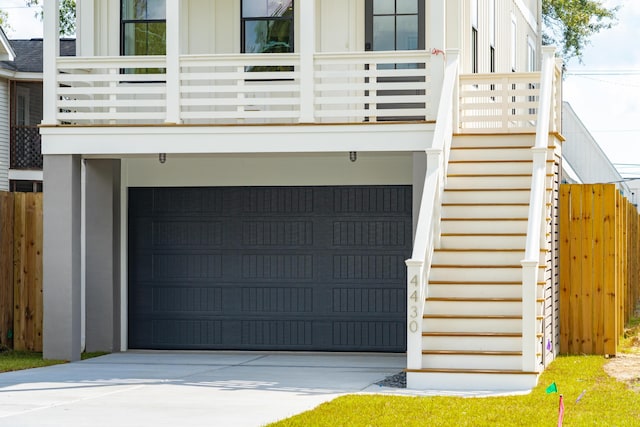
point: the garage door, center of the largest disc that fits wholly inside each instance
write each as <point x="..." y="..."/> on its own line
<point x="269" y="268"/>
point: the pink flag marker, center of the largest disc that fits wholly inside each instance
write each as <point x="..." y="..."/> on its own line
<point x="560" y="412"/>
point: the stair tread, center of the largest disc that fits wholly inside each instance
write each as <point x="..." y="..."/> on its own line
<point x="475" y="282"/>
<point x="471" y="371"/>
<point x="499" y="161"/>
<point x="473" y="334"/>
<point x="491" y="161"/>
<point x="491" y="147"/>
<point x="465" y="299"/>
<point x="470" y="316"/>
<point x="471" y="353"/>
<point x="488" y="175"/>
<point x="485" y="219"/>
<point x="488" y="205"/>
<point x="483" y="250"/>
<point x="476" y="266"/>
<point x="483" y="234"/>
<point x="487" y="189"/>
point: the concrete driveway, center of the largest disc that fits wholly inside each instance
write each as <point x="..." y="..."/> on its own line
<point x="187" y="388"/>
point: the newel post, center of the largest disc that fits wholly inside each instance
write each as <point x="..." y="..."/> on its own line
<point x="414" y="313"/>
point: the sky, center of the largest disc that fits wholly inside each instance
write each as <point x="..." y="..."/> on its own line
<point x="603" y="89"/>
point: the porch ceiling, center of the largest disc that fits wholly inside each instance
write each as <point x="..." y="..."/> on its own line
<point x="299" y="138"/>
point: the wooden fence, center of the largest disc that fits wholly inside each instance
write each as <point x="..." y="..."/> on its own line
<point x="599" y="267"/>
<point x="21" y="271"/>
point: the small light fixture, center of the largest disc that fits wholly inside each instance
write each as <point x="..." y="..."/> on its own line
<point x="162" y="158"/>
<point x="353" y="156"/>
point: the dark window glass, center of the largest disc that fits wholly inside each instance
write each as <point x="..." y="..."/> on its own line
<point x="267" y="26"/>
<point x="396" y="25"/>
<point x="474" y="50"/>
<point x="143" y="29"/>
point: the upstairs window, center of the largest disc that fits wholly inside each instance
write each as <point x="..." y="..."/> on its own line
<point x="474" y="37"/>
<point x="143" y="29"/>
<point x="267" y="26"/>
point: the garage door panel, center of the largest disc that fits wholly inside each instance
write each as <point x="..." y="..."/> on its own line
<point x="300" y="268"/>
<point x="379" y="335"/>
<point x="277" y="201"/>
<point x="277" y="334"/>
<point x="372" y="200"/>
<point x="357" y="267"/>
<point x="172" y="333"/>
<point x="277" y="299"/>
<point x="290" y="234"/>
<point x="188" y="201"/>
<point x="367" y="300"/>
<point x="367" y="234"/>
<point x="277" y="267"/>
<point x="185" y="266"/>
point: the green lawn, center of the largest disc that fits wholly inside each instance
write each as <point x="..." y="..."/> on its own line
<point x="605" y="402"/>
<point x="17" y="360"/>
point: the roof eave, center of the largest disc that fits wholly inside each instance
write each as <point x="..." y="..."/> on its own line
<point x="6" y="51"/>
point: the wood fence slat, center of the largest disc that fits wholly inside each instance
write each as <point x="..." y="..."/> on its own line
<point x="586" y="262"/>
<point x="575" y="345"/>
<point x="622" y="257"/>
<point x="610" y="246"/>
<point x="599" y="310"/>
<point x="566" y="269"/>
<point x="6" y="269"/>
<point x="36" y="266"/>
<point x="18" y="268"/>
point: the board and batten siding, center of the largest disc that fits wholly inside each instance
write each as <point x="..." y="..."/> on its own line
<point x="213" y="26"/>
<point x="269" y="170"/>
<point x="4" y="135"/>
<point x="506" y="12"/>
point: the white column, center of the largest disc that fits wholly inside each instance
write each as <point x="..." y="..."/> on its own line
<point x="85" y="27"/>
<point x="173" y="61"/>
<point x="307" y="49"/>
<point x="437" y="25"/>
<point x="51" y="51"/>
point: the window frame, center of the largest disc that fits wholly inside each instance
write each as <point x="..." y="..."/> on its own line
<point x="244" y="19"/>
<point x="123" y="24"/>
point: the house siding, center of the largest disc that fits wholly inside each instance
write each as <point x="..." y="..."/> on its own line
<point x="270" y="170"/>
<point x="4" y="135"/>
<point x="505" y="11"/>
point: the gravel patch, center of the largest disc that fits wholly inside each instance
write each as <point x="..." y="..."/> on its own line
<point x="398" y="380"/>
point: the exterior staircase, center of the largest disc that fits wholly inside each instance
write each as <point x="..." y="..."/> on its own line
<point x="472" y="322"/>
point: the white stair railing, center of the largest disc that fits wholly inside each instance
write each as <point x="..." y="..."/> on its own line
<point x="427" y="234"/>
<point x="535" y="226"/>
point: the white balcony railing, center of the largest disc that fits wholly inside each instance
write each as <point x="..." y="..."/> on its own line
<point x="245" y="88"/>
<point x="503" y="103"/>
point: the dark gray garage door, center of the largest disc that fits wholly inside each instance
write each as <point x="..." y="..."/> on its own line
<point x="269" y="268"/>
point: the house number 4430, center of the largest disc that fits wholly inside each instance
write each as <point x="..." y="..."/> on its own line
<point x="413" y="305"/>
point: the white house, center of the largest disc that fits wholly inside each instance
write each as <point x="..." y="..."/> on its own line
<point x="21" y="113"/>
<point x="305" y="175"/>
<point x="6" y="54"/>
<point x="583" y="159"/>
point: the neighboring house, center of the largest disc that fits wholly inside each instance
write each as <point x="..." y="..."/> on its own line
<point x="253" y="175"/>
<point x="584" y="161"/>
<point x="6" y="54"/>
<point x="22" y="108"/>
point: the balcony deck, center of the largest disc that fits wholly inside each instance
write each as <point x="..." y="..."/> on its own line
<point x="240" y="95"/>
